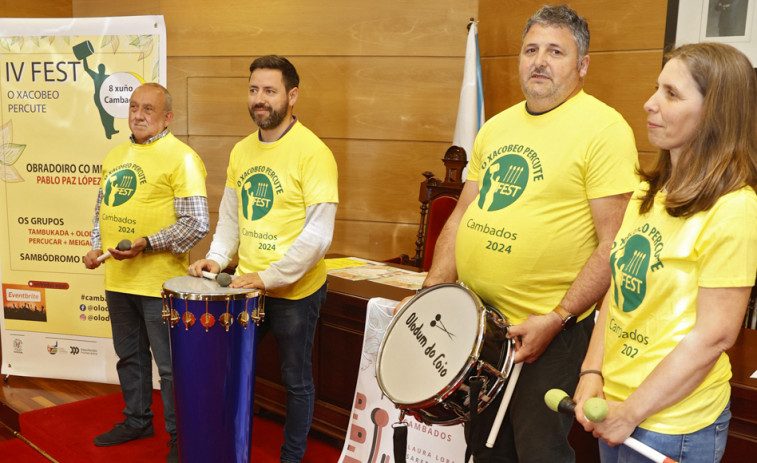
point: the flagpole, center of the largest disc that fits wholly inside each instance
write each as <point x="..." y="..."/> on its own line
<point x="470" y="111"/>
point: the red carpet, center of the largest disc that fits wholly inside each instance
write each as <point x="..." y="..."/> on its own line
<point x="65" y="432"/>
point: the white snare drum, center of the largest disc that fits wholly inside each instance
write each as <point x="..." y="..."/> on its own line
<point x="435" y="344"/>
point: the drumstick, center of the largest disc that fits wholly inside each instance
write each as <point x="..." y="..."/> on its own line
<point x="596" y="410"/>
<point x="503" y="405"/>
<point x="223" y="279"/>
<point x="209" y="275"/>
<point x="123" y="245"/>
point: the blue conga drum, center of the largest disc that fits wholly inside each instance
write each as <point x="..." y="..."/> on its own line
<point x="213" y="337"/>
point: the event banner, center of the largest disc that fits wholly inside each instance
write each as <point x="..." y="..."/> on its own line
<point x="370" y="433"/>
<point x="65" y="86"/>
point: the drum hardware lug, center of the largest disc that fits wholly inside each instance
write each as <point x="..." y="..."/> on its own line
<point x="226" y="320"/>
<point x="166" y="309"/>
<point x="243" y="318"/>
<point x="485" y="366"/>
<point x="189" y="319"/>
<point x="169" y="314"/>
<point x="207" y="320"/>
<point x="174" y="318"/>
<point x="258" y="314"/>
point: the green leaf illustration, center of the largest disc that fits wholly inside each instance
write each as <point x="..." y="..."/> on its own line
<point x="10" y="152"/>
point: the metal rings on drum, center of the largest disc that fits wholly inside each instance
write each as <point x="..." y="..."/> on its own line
<point x="189" y="288"/>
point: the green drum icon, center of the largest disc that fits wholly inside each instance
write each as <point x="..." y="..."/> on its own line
<point x="83" y="50"/>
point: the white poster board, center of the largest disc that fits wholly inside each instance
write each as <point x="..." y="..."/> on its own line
<point x="369" y="436"/>
<point x="65" y="85"/>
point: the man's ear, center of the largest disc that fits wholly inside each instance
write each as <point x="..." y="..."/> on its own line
<point x="583" y="67"/>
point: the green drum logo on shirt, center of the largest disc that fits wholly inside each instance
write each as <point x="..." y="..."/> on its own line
<point x="120" y="187"/>
<point x="629" y="272"/>
<point x="503" y="183"/>
<point x="257" y="197"/>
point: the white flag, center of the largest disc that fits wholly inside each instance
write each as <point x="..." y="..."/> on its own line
<point x="470" y="112"/>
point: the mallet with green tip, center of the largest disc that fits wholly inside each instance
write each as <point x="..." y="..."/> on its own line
<point x="596" y="410"/>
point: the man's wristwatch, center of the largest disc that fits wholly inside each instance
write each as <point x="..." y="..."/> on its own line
<point x="568" y="319"/>
<point x="148" y="247"/>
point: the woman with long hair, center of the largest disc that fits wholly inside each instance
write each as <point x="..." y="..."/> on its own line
<point x="682" y="264"/>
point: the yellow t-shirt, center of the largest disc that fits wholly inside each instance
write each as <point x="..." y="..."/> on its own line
<point x="658" y="264"/>
<point x="139" y="184"/>
<point x="529" y="232"/>
<point x="275" y="183"/>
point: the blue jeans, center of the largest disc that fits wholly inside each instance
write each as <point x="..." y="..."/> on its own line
<point x="137" y="326"/>
<point x="704" y="446"/>
<point x="293" y="323"/>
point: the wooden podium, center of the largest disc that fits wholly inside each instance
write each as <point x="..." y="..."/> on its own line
<point x="336" y="355"/>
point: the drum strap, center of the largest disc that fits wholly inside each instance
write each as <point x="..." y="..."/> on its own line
<point x="476" y="384"/>
<point x="400" y="442"/>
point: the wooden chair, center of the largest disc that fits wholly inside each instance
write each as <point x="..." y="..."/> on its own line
<point x="438" y="199"/>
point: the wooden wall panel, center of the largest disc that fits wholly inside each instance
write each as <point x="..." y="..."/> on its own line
<point x="317" y="28"/>
<point x="180" y="70"/>
<point x="218" y="106"/>
<point x="627" y="96"/>
<point x="364" y="97"/>
<point x="214" y="151"/>
<point x="613" y="25"/>
<point x="374" y="240"/>
<point x="97" y="8"/>
<point x="380" y="181"/>
<point x="35" y="9"/>
<point x="602" y="81"/>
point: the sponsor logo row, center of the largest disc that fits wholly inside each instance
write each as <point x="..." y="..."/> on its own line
<point x="57" y="348"/>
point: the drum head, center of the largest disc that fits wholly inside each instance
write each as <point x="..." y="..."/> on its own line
<point x="428" y="343"/>
<point x="203" y="289"/>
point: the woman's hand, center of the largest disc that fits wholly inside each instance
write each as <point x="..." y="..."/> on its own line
<point x="589" y="386"/>
<point x="619" y="424"/>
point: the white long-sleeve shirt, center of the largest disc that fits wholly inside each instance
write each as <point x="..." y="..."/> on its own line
<point x="309" y="247"/>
